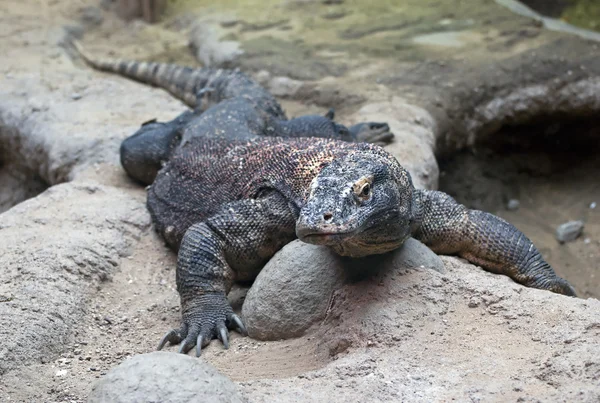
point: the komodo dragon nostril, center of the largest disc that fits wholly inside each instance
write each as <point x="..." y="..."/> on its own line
<point x="327" y="216"/>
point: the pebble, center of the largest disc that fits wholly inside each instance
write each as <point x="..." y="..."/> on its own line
<point x="75" y="96"/>
<point x="473" y="302"/>
<point x="513" y="204"/>
<point x="593" y="205"/>
<point x="569" y="231"/>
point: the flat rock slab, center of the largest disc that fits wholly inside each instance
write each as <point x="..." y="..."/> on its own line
<point x="165" y="377"/>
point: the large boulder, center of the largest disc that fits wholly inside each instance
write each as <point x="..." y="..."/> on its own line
<point x="164" y="377"/>
<point x="295" y="289"/>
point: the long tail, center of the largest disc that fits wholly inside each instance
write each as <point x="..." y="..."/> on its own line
<point x="181" y="82"/>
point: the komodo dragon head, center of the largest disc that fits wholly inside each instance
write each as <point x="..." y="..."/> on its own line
<point x="360" y="204"/>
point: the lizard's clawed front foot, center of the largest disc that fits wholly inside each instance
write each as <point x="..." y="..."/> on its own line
<point x="205" y="317"/>
<point x="372" y="132"/>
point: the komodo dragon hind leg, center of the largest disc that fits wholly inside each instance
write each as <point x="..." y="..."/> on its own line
<point x="144" y="152"/>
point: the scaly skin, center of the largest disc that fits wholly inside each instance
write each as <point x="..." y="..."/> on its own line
<point x="240" y="181"/>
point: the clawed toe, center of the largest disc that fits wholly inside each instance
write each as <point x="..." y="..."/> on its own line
<point x="205" y="318"/>
<point x="234" y="319"/>
<point x="372" y="132"/>
<point x="173" y="337"/>
<point x="223" y="335"/>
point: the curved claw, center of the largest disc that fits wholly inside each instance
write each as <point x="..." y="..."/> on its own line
<point x="384" y="138"/>
<point x="190" y="340"/>
<point x="199" y="345"/>
<point x="172" y="337"/>
<point x="186" y="345"/>
<point x="223" y="335"/>
<point x="372" y="132"/>
<point x="240" y="325"/>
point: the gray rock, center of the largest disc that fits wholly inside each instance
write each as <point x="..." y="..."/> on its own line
<point x="210" y="50"/>
<point x="284" y="86"/>
<point x="164" y="377"/>
<point x="414" y="254"/>
<point x="569" y="231"/>
<point x="513" y="205"/>
<point x="294" y="289"/>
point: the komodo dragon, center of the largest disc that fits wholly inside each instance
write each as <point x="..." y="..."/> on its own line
<point x="234" y="180"/>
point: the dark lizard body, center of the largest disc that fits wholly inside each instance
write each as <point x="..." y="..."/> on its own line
<point x="240" y="181"/>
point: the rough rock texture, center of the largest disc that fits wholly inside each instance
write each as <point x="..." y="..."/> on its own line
<point x="292" y="291"/>
<point x="569" y="231"/>
<point x="49" y="260"/>
<point x="465" y="335"/>
<point x="295" y="289"/>
<point x="164" y="377"/>
<point x="443" y="74"/>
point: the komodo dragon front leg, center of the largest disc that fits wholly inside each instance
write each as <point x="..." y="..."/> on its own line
<point x="231" y="245"/>
<point x="448" y="227"/>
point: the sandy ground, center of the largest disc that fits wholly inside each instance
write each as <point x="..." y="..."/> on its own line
<point x="550" y="194"/>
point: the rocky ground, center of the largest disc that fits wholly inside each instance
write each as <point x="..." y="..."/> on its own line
<point x="86" y="283"/>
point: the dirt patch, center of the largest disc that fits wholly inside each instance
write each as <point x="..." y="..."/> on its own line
<point x="551" y="169"/>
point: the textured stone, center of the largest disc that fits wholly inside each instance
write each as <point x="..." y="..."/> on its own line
<point x="164" y="377"/>
<point x="513" y="205"/>
<point x="569" y="231"/>
<point x="292" y="291"/>
<point x="295" y="288"/>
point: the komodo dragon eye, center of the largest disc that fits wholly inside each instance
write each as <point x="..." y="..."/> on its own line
<point x="366" y="190"/>
<point x="362" y="189"/>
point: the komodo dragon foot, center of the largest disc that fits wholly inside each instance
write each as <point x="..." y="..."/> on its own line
<point x="204" y="318"/>
<point x="372" y="132"/>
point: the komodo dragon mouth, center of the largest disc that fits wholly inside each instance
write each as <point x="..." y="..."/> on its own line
<point x="324" y="238"/>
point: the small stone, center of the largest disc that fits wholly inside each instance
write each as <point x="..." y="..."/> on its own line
<point x="473" y="302"/>
<point x="513" y="205"/>
<point x="587" y="241"/>
<point x="61" y="373"/>
<point x="263" y="77"/>
<point x="569" y="231"/>
<point x="593" y="205"/>
<point x="75" y="96"/>
<point x="284" y="86"/>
